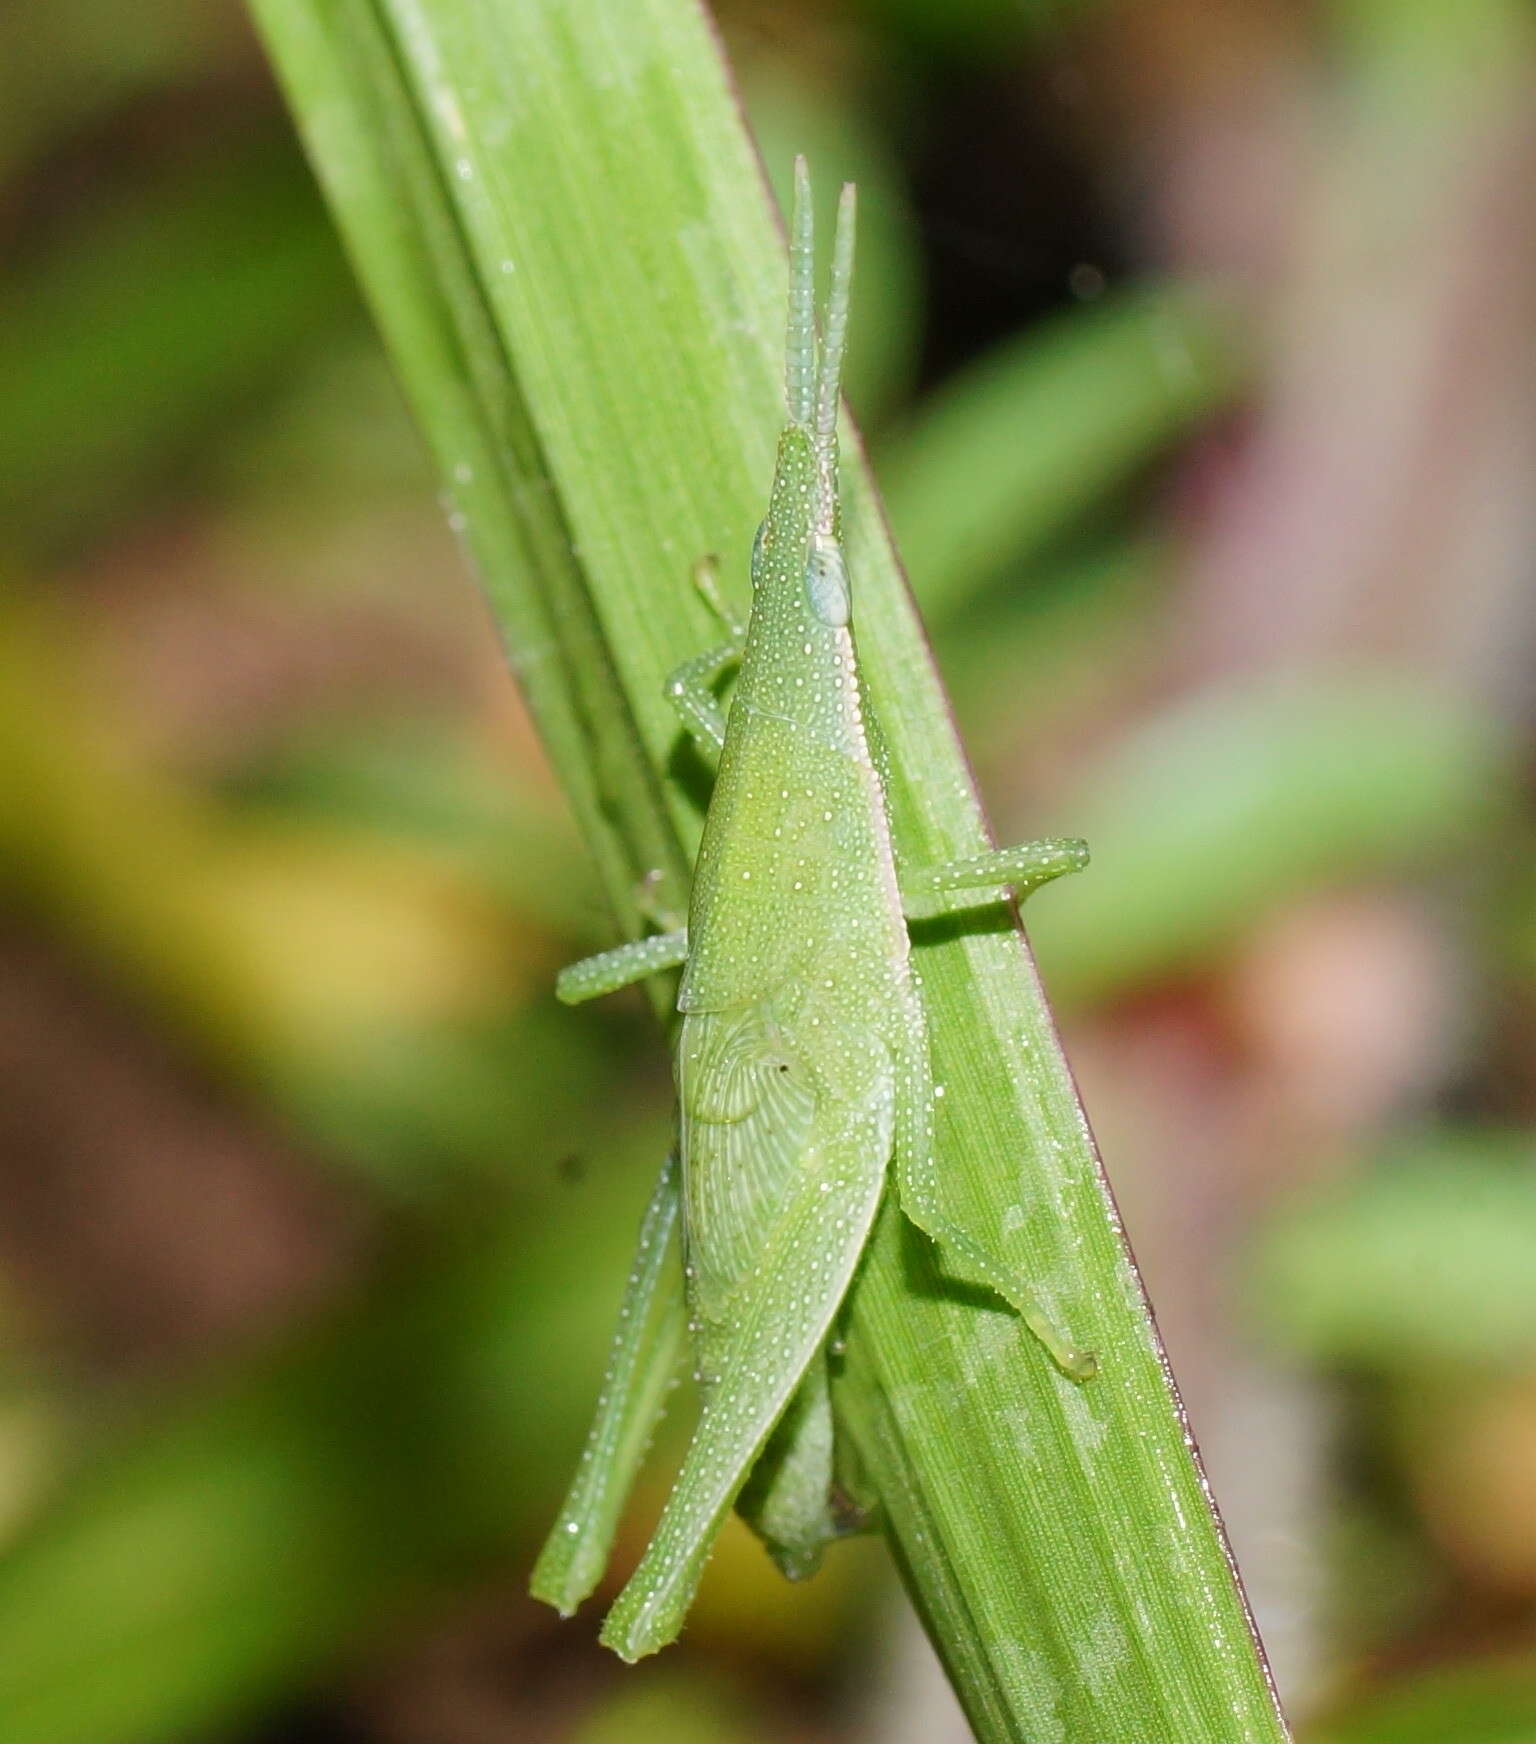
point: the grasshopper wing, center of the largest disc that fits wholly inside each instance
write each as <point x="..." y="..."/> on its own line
<point x="747" y="1111"/>
<point x="766" y="1289"/>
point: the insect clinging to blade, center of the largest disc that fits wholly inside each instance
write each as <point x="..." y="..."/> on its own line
<point x="802" y="1061"/>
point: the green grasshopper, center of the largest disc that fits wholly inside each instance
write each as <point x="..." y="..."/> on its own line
<point x="802" y="1061"/>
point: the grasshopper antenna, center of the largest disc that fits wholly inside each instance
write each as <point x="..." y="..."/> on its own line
<point x="800" y="348"/>
<point x="829" y="385"/>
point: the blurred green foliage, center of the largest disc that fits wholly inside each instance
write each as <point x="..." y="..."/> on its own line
<point x="1422" y="1265"/>
<point x="328" y="1488"/>
<point x="120" y="344"/>
<point x="344" y="914"/>
<point x="1225" y="809"/>
<point x="1042" y="431"/>
<point x="1478" y="1704"/>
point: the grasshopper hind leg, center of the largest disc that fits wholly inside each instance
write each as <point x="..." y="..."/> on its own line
<point x="644" y="1360"/>
<point x="919" y="1188"/>
<point x="788" y="1499"/>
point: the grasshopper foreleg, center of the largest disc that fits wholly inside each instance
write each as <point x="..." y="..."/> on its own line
<point x="920" y="1190"/>
<point x="691" y="688"/>
<point x="691" y="692"/>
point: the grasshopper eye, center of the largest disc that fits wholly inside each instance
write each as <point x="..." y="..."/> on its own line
<point x="826" y="584"/>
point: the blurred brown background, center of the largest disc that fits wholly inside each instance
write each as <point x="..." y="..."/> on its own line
<point x="1195" y="351"/>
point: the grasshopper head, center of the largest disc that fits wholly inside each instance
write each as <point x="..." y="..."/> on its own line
<point x="799" y="544"/>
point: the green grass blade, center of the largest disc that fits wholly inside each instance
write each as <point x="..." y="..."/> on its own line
<point x="559" y="219"/>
